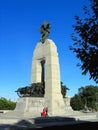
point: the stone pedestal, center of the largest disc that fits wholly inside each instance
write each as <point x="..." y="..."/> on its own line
<point x="53" y="97"/>
<point x="68" y="108"/>
<point x="30" y="105"/>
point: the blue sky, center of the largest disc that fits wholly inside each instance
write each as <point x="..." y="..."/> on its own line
<point x="20" y="21"/>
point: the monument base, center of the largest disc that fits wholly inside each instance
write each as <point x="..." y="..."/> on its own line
<point x="31" y="108"/>
<point x="30" y="105"/>
<point x="67" y="104"/>
<point x="34" y="106"/>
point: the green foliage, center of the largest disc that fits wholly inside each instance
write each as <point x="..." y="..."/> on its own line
<point x="86" y="98"/>
<point x="76" y="102"/>
<point x="85" y="39"/>
<point x="7" y="104"/>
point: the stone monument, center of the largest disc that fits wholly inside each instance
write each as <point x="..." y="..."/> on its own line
<point x="46" y="68"/>
<point x="45" y="71"/>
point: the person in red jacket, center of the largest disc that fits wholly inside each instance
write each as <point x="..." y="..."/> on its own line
<point x="43" y="113"/>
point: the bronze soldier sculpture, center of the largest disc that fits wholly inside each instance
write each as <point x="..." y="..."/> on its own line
<point x="45" y="31"/>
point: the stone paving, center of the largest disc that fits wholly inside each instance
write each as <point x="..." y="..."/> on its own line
<point x="25" y="123"/>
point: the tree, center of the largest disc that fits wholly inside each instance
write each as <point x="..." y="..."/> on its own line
<point x="86" y="98"/>
<point x="85" y="39"/>
<point x="76" y="102"/>
<point x="7" y="104"/>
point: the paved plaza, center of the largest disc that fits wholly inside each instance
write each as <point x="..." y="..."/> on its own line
<point x="13" y="122"/>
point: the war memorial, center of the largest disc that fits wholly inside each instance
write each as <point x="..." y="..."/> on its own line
<point x="45" y="89"/>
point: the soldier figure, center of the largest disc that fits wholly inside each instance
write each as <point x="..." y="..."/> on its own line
<point x="45" y="31"/>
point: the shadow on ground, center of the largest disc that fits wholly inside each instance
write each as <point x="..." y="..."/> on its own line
<point x="50" y="122"/>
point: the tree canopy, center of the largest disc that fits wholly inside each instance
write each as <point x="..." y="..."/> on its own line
<point x="86" y="98"/>
<point x="6" y="104"/>
<point x="85" y="39"/>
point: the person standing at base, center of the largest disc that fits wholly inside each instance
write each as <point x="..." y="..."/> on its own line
<point x="46" y="111"/>
<point x="43" y="113"/>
